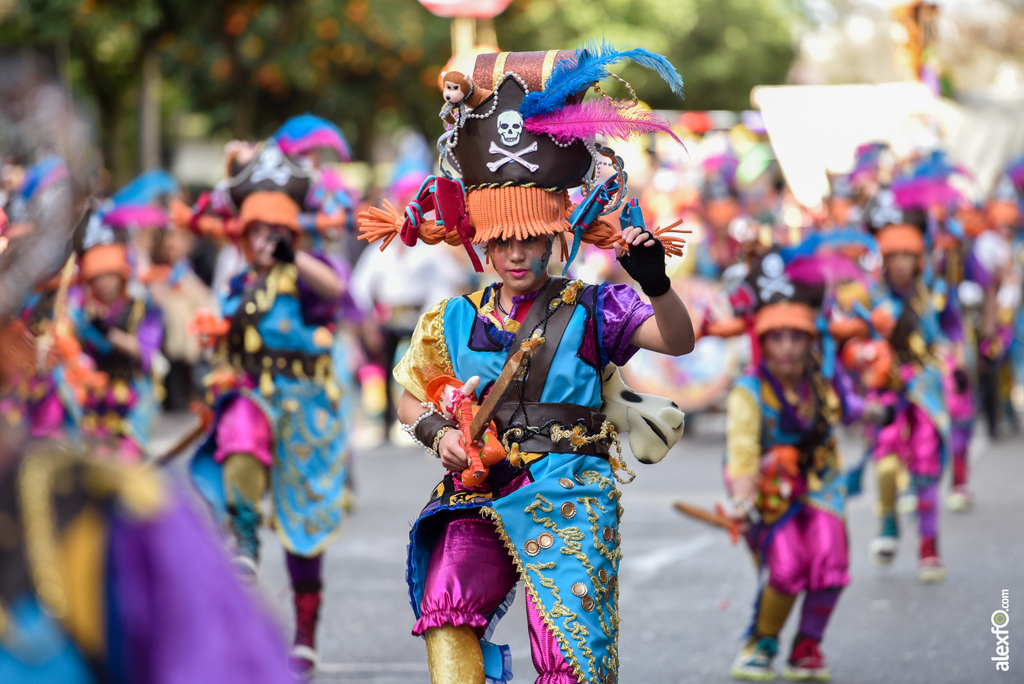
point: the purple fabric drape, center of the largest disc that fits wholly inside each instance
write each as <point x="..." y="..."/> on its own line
<point x="180" y="613"/>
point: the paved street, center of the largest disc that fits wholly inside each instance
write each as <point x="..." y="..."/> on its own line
<point x="686" y="593"/>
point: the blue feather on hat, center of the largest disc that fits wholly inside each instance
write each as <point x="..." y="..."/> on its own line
<point x="590" y="66"/>
<point x="146" y="188"/>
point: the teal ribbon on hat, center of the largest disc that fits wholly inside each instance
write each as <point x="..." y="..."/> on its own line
<point x="586" y="212"/>
<point x="828" y="347"/>
<point x="632" y="216"/>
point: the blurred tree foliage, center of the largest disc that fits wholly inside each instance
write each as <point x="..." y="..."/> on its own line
<point x="359" y="63"/>
<point x="371" y="65"/>
<point x="722" y="48"/>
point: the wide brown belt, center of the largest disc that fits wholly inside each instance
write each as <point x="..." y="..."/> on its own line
<point x="291" y="364"/>
<point x="542" y="416"/>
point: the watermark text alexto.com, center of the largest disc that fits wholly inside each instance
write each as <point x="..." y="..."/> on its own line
<point x="1000" y="621"/>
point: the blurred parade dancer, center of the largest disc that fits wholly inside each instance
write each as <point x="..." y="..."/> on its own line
<point x="426" y="277"/>
<point x="903" y="314"/>
<point x="997" y="255"/>
<point x="546" y="512"/>
<point x="106" y="575"/>
<point x="123" y="335"/>
<point x="180" y="294"/>
<point x="50" y="397"/>
<point x="782" y="466"/>
<point x="278" y="426"/>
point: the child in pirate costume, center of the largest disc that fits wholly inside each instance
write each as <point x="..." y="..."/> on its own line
<point x="547" y="513"/>
<point x="782" y="465"/>
<point x="903" y="313"/>
<point x="999" y="271"/>
<point x="122" y="333"/>
<point x="278" y="425"/>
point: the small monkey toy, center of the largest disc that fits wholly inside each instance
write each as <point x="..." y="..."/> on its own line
<point x="460" y="95"/>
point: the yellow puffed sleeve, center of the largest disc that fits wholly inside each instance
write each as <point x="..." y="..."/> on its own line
<point x="742" y="434"/>
<point x="427" y="357"/>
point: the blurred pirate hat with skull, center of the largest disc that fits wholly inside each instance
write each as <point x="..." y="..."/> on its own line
<point x="519" y="135"/>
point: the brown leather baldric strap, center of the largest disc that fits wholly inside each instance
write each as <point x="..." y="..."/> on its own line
<point x="523" y="406"/>
<point x="540" y="363"/>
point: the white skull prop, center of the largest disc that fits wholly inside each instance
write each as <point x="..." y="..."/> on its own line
<point x="510" y="127"/>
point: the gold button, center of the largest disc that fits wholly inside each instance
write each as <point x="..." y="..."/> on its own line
<point x="531" y="547"/>
<point x="281" y="362"/>
<point x="579" y="589"/>
<point x="587" y="603"/>
<point x="250" y="308"/>
<point x="608" y="534"/>
<point x="568" y="510"/>
<point x="602" y="575"/>
<point x="546" y="540"/>
<point x="566" y="482"/>
<point x="579" y="479"/>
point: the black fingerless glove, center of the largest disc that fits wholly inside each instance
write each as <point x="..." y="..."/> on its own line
<point x="646" y="265"/>
<point x="283" y="251"/>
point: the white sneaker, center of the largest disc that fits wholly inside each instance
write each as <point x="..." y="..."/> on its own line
<point x="960" y="500"/>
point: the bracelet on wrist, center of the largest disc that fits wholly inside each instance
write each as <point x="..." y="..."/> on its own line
<point x="748" y="507"/>
<point x="437" y="439"/>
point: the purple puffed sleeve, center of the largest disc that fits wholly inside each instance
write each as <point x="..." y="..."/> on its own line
<point x="976" y="272"/>
<point x="150" y="334"/>
<point x="852" y="403"/>
<point x="315" y="309"/>
<point x="621" y="312"/>
<point x="952" y="321"/>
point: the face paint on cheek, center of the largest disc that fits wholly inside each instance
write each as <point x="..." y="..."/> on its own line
<point x="498" y="260"/>
<point x="540" y="265"/>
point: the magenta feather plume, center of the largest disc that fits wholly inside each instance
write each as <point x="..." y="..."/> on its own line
<point x="822" y="270"/>
<point x="584" y="120"/>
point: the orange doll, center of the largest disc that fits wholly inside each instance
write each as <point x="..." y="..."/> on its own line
<point x="457" y="401"/>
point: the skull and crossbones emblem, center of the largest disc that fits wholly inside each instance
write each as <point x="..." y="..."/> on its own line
<point x="774" y="281"/>
<point x="270" y="166"/>
<point x="510" y="127"/>
<point x="512" y="156"/>
<point x="510" y="131"/>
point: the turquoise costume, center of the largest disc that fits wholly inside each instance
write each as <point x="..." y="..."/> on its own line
<point x="556" y="510"/>
<point x="916" y="332"/>
<point x="284" y="350"/>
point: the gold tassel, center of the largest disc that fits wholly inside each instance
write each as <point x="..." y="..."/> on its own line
<point x="253" y="341"/>
<point x="266" y="383"/>
<point x="332" y="390"/>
